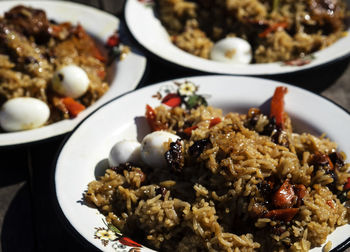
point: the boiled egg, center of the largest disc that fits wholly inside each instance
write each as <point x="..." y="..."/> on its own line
<point x="124" y="151"/>
<point x="153" y="150"/>
<point x="70" y="81"/>
<point x="23" y="113"/>
<point x="232" y="50"/>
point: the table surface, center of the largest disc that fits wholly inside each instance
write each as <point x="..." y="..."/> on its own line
<point x="28" y="216"/>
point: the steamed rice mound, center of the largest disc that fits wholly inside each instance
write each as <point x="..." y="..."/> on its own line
<point x="220" y="200"/>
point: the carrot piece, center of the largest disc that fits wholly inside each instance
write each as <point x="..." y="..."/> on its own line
<point x="73" y="107"/>
<point x="286" y="214"/>
<point x="188" y="131"/>
<point x="214" y="121"/>
<point x="272" y="28"/>
<point x="152" y="119"/>
<point x="331" y="166"/>
<point x="277" y="105"/>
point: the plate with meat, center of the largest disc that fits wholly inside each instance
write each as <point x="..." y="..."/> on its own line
<point x="57" y="65"/>
<point x="209" y="163"/>
<point x="251" y="37"/>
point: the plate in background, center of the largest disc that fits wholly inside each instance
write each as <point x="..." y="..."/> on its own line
<point x="149" y="32"/>
<point x="124" y="75"/>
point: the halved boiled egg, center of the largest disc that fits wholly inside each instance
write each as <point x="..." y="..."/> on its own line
<point x="232" y="50"/>
<point x="153" y="148"/>
<point x="70" y="81"/>
<point x="23" y="113"/>
<point x="124" y="151"/>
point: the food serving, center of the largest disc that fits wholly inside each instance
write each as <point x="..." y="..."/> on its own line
<point x="204" y="181"/>
<point x="253" y="31"/>
<point x="49" y="71"/>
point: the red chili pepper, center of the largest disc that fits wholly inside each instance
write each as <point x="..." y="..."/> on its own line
<point x="172" y="100"/>
<point x="113" y="40"/>
<point x="277" y="105"/>
<point x="152" y="119"/>
<point x="128" y="242"/>
<point x="214" y="121"/>
<point x="73" y="107"/>
<point x="272" y="28"/>
<point x="286" y="214"/>
<point x="347" y="185"/>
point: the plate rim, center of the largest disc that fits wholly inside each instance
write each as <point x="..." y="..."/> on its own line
<point x="59" y="210"/>
<point x="25" y="138"/>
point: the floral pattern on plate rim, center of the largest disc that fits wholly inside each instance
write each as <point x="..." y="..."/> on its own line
<point x="111" y="235"/>
<point x="299" y="61"/>
<point x="181" y="94"/>
<point x="147" y="3"/>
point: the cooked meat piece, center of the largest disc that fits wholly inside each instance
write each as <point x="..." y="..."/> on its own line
<point x="198" y="147"/>
<point x="286" y="214"/>
<point x="31" y="22"/>
<point x="327" y="13"/>
<point x="285" y="196"/>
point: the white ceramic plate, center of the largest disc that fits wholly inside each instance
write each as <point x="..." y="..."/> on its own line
<point x="124" y="75"/>
<point x="149" y="32"/>
<point x="89" y="145"/>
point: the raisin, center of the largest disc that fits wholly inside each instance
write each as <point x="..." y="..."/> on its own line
<point x="174" y="156"/>
<point x="337" y="160"/>
<point x="120" y="168"/>
<point x="162" y="191"/>
<point x="196" y="149"/>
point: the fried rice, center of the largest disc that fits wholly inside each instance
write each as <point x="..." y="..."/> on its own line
<point x="277" y="30"/>
<point x="238" y="183"/>
<point x="32" y="48"/>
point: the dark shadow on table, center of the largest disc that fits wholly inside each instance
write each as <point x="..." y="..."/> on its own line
<point x="53" y="232"/>
<point x="13" y="167"/>
<point x="17" y="232"/>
